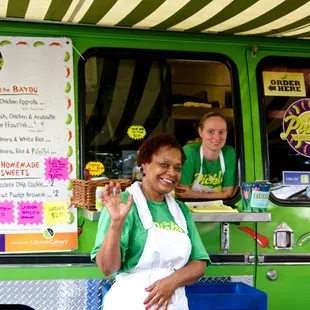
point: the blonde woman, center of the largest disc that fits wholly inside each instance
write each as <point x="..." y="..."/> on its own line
<point x="210" y="168"/>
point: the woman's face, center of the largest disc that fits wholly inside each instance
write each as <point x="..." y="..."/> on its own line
<point x="214" y="133"/>
<point x="164" y="171"/>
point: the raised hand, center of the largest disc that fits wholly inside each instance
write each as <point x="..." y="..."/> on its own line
<point x="111" y="199"/>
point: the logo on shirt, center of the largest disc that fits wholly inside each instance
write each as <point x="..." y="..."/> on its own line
<point x="296" y="126"/>
<point x="169" y="226"/>
<point x="209" y="180"/>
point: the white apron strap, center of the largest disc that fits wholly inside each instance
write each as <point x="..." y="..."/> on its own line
<point x="176" y="212"/>
<point x="144" y="212"/>
<point x="223" y="168"/>
<point x="201" y="160"/>
<point x="140" y="201"/>
<point x="197" y="183"/>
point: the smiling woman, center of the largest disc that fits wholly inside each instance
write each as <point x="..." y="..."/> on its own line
<point x="147" y="238"/>
<point x="210" y="168"/>
<point x="160" y="160"/>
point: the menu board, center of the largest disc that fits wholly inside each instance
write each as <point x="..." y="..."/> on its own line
<point x="37" y="145"/>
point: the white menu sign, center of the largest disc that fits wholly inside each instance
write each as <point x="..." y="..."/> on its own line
<point x="37" y="145"/>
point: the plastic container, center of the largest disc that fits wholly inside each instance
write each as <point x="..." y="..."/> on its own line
<point x="221" y="296"/>
<point x="225" y="296"/>
<point x="255" y="196"/>
<point x="99" y="204"/>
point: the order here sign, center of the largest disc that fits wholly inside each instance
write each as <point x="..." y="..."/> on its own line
<point x="290" y="84"/>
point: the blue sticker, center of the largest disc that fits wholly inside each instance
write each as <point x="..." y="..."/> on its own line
<point x="259" y="199"/>
<point x="295" y="178"/>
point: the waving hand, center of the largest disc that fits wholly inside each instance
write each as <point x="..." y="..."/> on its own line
<point x="111" y="199"/>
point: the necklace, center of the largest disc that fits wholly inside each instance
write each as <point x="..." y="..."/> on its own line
<point x="211" y="171"/>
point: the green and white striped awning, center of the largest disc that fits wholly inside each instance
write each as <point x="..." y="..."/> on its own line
<point x="285" y="18"/>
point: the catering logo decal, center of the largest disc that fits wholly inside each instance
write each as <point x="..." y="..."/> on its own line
<point x="296" y="126"/>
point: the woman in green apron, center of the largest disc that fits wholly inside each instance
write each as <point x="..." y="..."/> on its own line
<point x="210" y="168"/>
<point x="147" y="238"/>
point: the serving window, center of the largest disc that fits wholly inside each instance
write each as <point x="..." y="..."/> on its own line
<point x="284" y="86"/>
<point x="129" y="96"/>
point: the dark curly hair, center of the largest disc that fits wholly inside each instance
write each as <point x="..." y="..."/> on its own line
<point x="151" y="145"/>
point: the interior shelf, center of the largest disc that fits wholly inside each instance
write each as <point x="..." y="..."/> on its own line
<point x="232" y="217"/>
<point x="195" y="113"/>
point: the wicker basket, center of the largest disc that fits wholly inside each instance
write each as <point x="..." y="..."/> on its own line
<point x="84" y="192"/>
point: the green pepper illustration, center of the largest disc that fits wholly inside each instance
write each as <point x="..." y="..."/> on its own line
<point x="283" y="77"/>
<point x="71" y="218"/>
<point x="303" y="239"/>
<point x="69" y="119"/>
<point x="299" y="144"/>
<point x="70" y="151"/>
<point x="5" y="42"/>
<point x="68" y="87"/>
<point x="67" y="57"/>
<point x="69" y="188"/>
<point x="296" y="108"/>
<point x="38" y="43"/>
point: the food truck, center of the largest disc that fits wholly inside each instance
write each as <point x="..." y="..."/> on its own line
<point x="83" y="83"/>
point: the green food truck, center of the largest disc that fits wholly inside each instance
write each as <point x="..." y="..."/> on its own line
<point x="83" y="83"/>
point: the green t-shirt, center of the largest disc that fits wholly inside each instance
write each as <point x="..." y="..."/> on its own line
<point x="212" y="173"/>
<point x="134" y="235"/>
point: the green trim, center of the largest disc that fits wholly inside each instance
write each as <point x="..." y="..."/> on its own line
<point x="144" y="9"/>
<point x="228" y="12"/>
<point x="279" y="11"/>
<point x="49" y="273"/>
<point x="57" y="10"/>
<point x="97" y="10"/>
<point x="187" y="11"/>
<point x="62" y="273"/>
<point x="17" y="8"/>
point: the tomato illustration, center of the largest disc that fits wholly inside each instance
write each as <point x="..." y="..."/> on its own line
<point x="69" y="134"/>
<point x="69" y="103"/>
<point x="55" y="44"/>
<point x="70" y="168"/>
<point x="67" y="72"/>
<point x="22" y="43"/>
